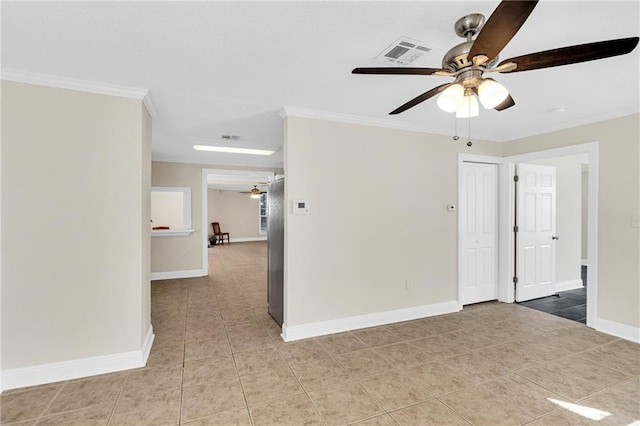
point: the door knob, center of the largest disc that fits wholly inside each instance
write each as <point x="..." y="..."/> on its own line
<point x="555" y="237"/>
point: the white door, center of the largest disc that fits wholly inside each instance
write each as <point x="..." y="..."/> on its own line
<point x="535" y="239"/>
<point x="478" y="225"/>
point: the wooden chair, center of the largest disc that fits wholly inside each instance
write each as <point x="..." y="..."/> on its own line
<point x="219" y="234"/>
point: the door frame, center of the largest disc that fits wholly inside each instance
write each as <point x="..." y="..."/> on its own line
<point x="503" y="187"/>
<point x="592" y="150"/>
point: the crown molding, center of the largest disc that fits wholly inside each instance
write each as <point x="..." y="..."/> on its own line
<point x="288" y="111"/>
<point x="96" y="87"/>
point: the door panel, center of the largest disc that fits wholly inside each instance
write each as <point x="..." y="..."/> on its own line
<point x="536" y="220"/>
<point x="478" y="232"/>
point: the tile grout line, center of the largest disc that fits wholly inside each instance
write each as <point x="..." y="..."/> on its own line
<point x="117" y="399"/>
<point x="48" y="406"/>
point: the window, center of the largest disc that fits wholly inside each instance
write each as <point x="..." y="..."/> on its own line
<point x="263" y="213"/>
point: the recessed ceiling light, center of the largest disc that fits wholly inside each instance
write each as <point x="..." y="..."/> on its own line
<point x="560" y="108"/>
<point x="232" y="150"/>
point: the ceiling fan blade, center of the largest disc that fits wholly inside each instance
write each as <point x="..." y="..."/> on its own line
<point x="403" y="71"/>
<point x="418" y="99"/>
<point x="573" y="54"/>
<point x="500" y="28"/>
<point x="507" y="103"/>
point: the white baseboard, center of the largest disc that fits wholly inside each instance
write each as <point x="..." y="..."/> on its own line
<point x="247" y="239"/>
<point x="322" y="328"/>
<point x="77" y="368"/>
<point x="169" y="275"/>
<point x="584" y="262"/>
<point x="623" y="331"/>
<point x="568" y="285"/>
<point x="147" y="344"/>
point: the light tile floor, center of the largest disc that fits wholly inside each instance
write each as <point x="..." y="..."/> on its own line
<point x="218" y="360"/>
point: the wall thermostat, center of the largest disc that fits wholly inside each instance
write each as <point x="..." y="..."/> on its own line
<point x="300" y="207"/>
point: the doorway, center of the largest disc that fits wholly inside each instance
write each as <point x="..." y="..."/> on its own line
<point x="506" y="220"/>
<point x="567" y="297"/>
<point x="227" y="199"/>
<point x="588" y="152"/>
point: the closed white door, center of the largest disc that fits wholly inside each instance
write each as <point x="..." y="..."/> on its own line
<point x="478" y="223"/>
<point x="536" y="232"/>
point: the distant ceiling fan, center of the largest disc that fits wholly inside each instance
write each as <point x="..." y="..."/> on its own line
<point x="255" y="192"/>
<point x="468" y="61"/>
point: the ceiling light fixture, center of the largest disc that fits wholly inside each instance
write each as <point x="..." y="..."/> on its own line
<point x="461" y="97"/>
<point x="451" y="99"/>
<point x="469" y="107"/>
<point x="492" y="93"/>
<point x="255" y="192"/>
<point x="232" y="150"/>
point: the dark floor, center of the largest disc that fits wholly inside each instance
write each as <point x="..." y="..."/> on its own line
<point x="570" y="304"/>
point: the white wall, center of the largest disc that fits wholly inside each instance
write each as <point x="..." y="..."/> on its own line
<point x="377" y="217"/>
<point x="618" y="203"/>
<point x="237" y="213"/>
<point x="584" y="253"/>
<point x="75" y="212"/>
<point x="568" y="215"/>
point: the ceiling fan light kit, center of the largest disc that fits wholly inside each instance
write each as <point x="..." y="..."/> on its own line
<point x="492" y="93"/>
<point x="468" y="61"/>
<point x="469" y="107"/>
<point x="451" y="99"/>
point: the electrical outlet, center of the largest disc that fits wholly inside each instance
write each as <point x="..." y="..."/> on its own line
<point x="184" y="254"/>
<point x="408" y="285"/>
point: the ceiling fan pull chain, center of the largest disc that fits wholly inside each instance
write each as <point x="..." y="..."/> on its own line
<point x="455" y="128"/>
<point x="469" y="142"/>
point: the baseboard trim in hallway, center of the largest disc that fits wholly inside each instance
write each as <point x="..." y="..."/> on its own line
<point x="77" y="368"/>
<point x="168" y="275"/>
<point x="321" y="328"/>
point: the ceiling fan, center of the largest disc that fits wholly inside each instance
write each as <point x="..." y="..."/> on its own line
<point x="469" y="61"/>
<point x="255" y="192"/>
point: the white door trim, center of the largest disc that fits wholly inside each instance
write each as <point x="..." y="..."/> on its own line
<point x="592" y="149"/>
<point x="503" y="188"/>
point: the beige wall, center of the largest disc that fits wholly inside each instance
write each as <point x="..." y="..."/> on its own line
<point x="175" y="254"/>
<point x="183" y="252"/>
<point x="377" y="217"/>
<point x="75" y="184"/>
<point x="237" y="213"/>
<point x="568" y="215"/>
<point x="618" y="202"/>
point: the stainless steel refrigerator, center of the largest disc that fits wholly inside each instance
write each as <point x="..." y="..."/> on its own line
<point x="275" y="249"/>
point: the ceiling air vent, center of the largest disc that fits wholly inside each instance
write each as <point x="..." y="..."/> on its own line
<point x="230" y="137"/>
<point x="402" y="51"/>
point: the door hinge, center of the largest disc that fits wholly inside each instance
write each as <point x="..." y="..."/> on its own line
<point x="516" y="229"/>
<point x="516" y="178"/>
<point x="515" y="280"/>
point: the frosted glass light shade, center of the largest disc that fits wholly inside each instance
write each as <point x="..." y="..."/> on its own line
<point x="492" y="93"/>
<point x="451" y="98"/>
<point x="468" y="108"/>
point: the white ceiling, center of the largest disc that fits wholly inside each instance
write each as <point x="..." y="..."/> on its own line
<point x="218" y="68"/>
